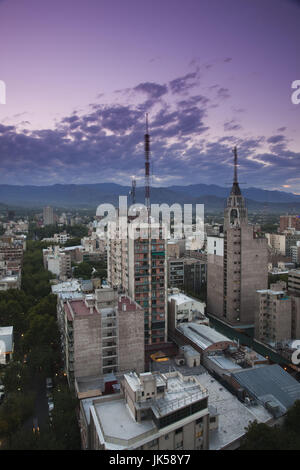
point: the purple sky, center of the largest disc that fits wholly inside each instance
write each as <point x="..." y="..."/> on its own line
<point x="212" y="74"/>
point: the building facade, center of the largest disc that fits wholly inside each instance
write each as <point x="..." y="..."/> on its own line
<point x="234" y="277"/>
<point x="138" y="267"/>
<point x="101" y="334"/>
<point x="48" y="215"/>
<point x="153" y="412"/>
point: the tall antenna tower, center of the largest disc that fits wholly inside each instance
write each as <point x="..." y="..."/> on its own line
<point x="147" y="166"/>
<point x="235" y="179"/>
<point x="132" y="192"/>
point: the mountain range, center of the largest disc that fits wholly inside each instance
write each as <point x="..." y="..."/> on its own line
<point x="91" y="195"/>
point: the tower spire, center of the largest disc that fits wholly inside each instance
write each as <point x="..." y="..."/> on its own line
<point x="147" y="165"/>
<point x="235" y="187"/>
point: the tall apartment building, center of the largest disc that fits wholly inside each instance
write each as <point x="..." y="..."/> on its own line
<point x="101" y="333"/>
<point x="58" y="262"/>
<point x="292" y="237"/>
<point x="277" y="242"/>
<point x="154" y="412"/>
<point x="138" y="267"/>
<point x="187" y="273"/>
<point x="195" y="275"/>
<point x="273" y="315"/>
<point x="176" y="272"/>
<point x="48" y="215"/>
<point x="295" y="253"/>
<point x="294" y="293"/>
<point x="237" y="264"/>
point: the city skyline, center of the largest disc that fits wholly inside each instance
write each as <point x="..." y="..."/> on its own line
<point x="211" y="76"/>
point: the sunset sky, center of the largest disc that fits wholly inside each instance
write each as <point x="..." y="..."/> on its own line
<point x="81" y="74"/>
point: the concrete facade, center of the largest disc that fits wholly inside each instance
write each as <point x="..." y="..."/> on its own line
<point x="243" y="266"/>
<point x="273" y="316"/>
<point x="148" y="417"/>
<point x="101" y="335"/>
<point x="138" y="267"/>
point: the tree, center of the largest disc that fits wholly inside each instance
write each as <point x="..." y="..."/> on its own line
<point x="260" y="436"/>
<point x="83" y="270"/>
<point x="65" y="424"/>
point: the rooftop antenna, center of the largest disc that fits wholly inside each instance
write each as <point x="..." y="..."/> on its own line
<point x="235" y="173"/>
<point x="147" y="166"/>
<point x="235" y="179"/>
<point x="235" y="187"/>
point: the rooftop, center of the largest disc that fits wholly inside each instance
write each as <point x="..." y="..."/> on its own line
<point x="270" y="383"/>
<point x="78" y="308"/>
<point x="224" y="363"/>
<point x="182" y="298"/>
<point x="202" y="335"/>
<point x="117" y="424"/>
<point x="128" y="304"/>
<point x="234" y="416"/>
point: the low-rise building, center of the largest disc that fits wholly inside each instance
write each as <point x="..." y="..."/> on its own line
<point x="153" y="412"/>
<point x="58" y="262"/>
<point x="6" y="344"/>
<point x="184" y="309"/>
<point x="10" y="282"/>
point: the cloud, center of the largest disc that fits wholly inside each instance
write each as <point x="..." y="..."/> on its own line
<point x="232" y="126"/>
<point x="105" y="143"/>
<point x="153" y="90"/>
<point x="183" y="84"/>
<point x="223" y="93"/>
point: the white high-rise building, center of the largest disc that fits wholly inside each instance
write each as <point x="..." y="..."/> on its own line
<point x="48" y="215"/>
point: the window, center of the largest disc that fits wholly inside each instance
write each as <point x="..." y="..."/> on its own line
<point x="179" y="430"/>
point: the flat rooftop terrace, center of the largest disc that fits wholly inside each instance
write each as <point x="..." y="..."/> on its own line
<point x="234" y="416"/>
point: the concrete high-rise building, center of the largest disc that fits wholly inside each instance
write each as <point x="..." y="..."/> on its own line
<point x="48" y="215"/>
<point x="277" y="241"/>
<point x="101" y="334"/>
<point x="237" y="263"/>
<point x="138" y="267"/>
<point x="273" y="315"/>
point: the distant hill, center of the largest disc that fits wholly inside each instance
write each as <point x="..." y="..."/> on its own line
<point x="91" y="195"/>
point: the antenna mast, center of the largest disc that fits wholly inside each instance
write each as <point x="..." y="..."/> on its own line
<point x="132" y="192"/>
<point x="147" y="166"/>
<point x="235" y="179"/>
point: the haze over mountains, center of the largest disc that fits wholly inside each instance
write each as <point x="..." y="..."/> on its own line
<point x="91" y="195"/>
